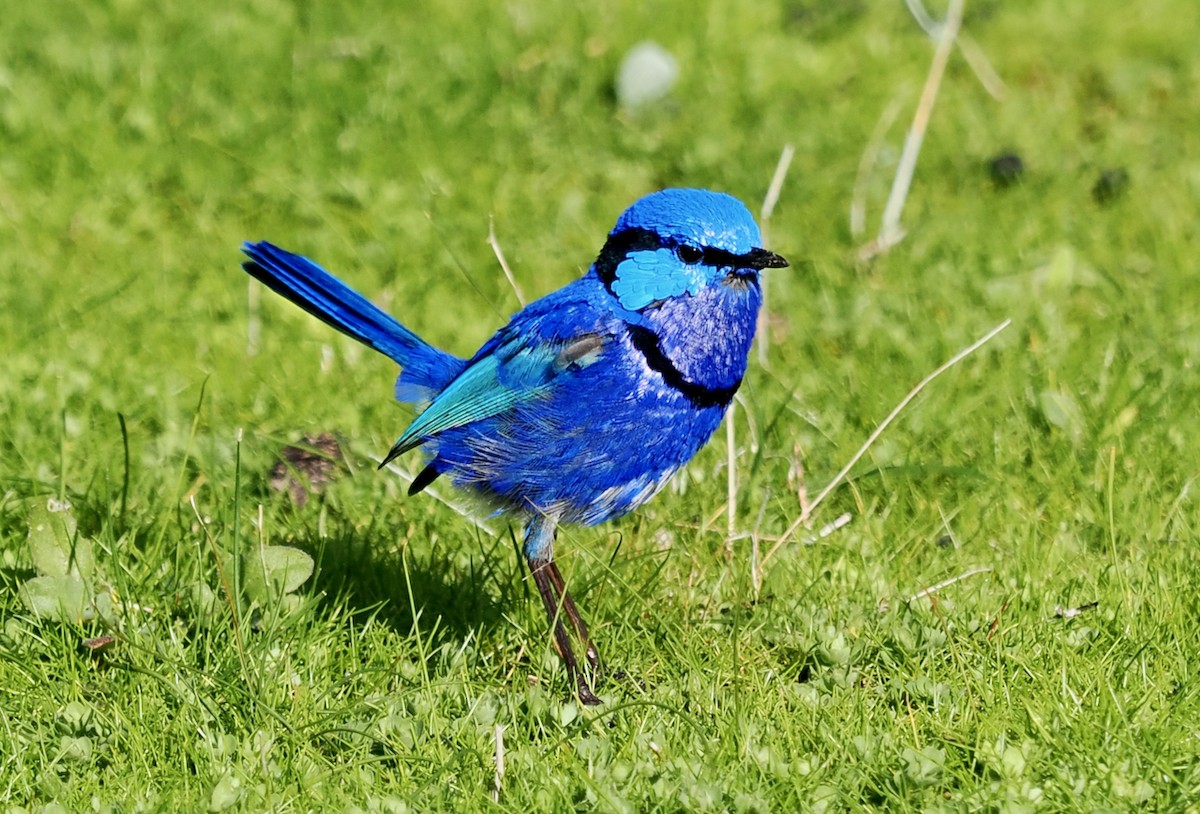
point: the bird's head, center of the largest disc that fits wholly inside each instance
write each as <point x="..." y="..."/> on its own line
<point x="680" y="241"/>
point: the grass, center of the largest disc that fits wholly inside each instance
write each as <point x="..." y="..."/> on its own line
<point x="141" y="147"/>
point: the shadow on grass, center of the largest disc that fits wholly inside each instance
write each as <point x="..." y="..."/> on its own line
<point x="445" y="590"/>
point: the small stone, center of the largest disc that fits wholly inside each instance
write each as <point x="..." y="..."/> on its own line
<point x="1111" y="185"/>
<point x="1006" y="169"/>
<point x="647" y="74"/>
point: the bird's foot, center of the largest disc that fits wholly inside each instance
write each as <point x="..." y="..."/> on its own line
<point x="585" y="694"/>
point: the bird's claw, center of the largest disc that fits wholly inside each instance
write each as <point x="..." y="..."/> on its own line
<point x="586" y="696"/>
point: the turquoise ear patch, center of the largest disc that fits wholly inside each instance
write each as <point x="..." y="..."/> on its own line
<point x="647" y="276"/>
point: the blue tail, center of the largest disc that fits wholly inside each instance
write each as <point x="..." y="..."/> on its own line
<point x="427" y="370"/>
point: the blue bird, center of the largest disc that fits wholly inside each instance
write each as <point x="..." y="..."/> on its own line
<point x="584" y="405"/>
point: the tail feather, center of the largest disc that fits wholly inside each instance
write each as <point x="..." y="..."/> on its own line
<point x="426" y="369"/>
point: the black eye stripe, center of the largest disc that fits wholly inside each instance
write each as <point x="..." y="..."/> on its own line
<point x="621" y="244"/>
<point x="721" y="258"/>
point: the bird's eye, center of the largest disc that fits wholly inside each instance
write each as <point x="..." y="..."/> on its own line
<point x="689" y="254"/>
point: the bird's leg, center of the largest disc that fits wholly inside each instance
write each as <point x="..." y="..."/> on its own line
<point x="572" y="612"/>
<point x="539" y="553"/>
<point x="541" y="577"/>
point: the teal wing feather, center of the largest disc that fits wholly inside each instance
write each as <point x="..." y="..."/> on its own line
<point x="514" y="372"/>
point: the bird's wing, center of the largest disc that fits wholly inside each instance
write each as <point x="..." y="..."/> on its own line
<point x="509" y="370"/>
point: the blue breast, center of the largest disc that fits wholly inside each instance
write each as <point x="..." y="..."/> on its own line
<point x="609" y="435"/>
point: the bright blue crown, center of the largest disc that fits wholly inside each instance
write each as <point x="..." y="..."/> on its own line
<point x="695" y="216"/>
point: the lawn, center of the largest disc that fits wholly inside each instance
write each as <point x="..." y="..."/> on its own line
<point x="1044" y="487"/>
